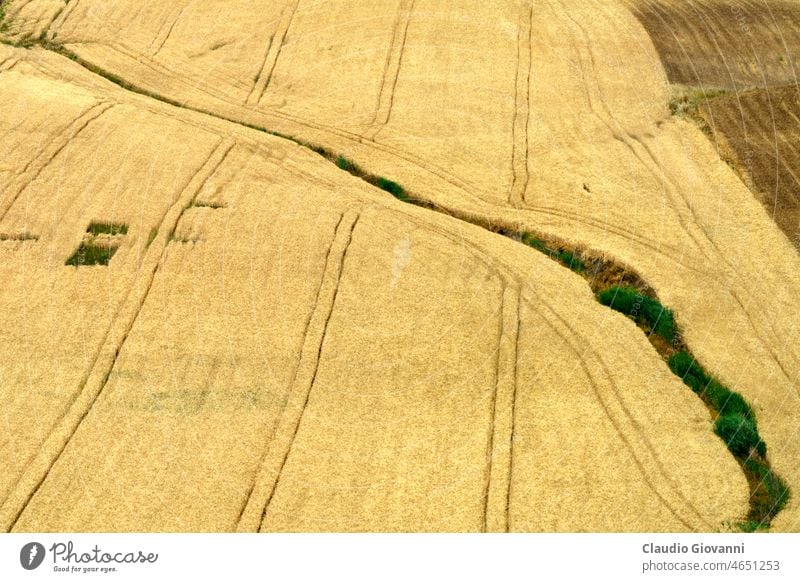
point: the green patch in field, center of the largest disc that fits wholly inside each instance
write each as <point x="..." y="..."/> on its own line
<point x="109" y="228"/>
<point x="18" y="236"/>
<point x="99" y="244"/>
<point x="89" y="253"/>
<point x="723" y="400"/>
<point x="740" y="434"/>
<point x="347" y="165"/>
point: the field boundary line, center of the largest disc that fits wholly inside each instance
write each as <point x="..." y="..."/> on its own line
<point x="266" y="482"/>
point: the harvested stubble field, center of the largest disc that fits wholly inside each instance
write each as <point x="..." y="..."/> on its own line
<point x="277" y="345"/>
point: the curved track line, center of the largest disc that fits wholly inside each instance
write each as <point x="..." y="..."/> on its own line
<point x="162" y="41"/>
<point x="634" y="452"/>
<point x="254" y="513"/>
<point x="51" y="151"/>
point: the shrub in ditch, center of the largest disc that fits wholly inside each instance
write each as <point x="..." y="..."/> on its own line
<point x="643" y="309"/>
<point x="740" y="434"/>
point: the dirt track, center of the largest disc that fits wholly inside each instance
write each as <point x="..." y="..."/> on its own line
<point x="556" y="141"/>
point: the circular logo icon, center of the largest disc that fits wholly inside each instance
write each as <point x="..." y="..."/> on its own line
<point x="31" y="555"/>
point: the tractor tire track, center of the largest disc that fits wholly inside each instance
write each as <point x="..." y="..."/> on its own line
<point x="607" y="118"/>
<point x="254" y="514"/>
<point x="96" y="379"/>
<point x="498" y="454"/>
<point x="391" y="69"/>
<point x="297" y="368"/>
<point x="636" y="453"/>
<point x="522" y="93"/>
<point x="51" y="31"/>
<point x="273" y="52"/>
<point x="36" y="165"/>
<point x="193" y="86"/>
<point x="161" y="40"/>
<point x="463" y="188"/>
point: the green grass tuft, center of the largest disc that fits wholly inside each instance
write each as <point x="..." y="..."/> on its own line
<point x="347" y="165"/>
<point x="393" y="188"/>
<point x="690" y="98"/>
<point x="724" y="401"/>
<point x="740" y="434"/>
<point x="777" y="493"/>
<point x="565" y="257"/>
<point x="640" y="307"/>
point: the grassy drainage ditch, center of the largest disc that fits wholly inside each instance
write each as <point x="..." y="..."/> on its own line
<point x="734" y="419"/>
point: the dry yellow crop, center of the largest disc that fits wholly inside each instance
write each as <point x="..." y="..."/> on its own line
<point x="294" y="350"/>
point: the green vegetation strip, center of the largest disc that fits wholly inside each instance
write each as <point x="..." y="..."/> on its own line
<point x="89" y="254"/>
<point x="687" y="101"/>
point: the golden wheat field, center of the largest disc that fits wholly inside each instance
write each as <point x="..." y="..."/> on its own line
<point x="317" y="266"/>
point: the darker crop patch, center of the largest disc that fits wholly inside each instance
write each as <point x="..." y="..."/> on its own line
<point x="687" y="101"/>
<point x="347" y="165"/>
<point x="769" y="494"/>
<point x="212" y="205"/>
<point x="151" y="237"/>
<point x="88" y="254"/>
<point x="18" y="236"/>
<point x="109" y="228"/>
